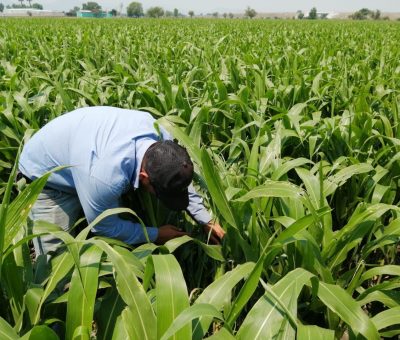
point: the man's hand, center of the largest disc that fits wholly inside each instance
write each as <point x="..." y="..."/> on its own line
<point x="168" y="232"/>
<point x="215" y="231"/>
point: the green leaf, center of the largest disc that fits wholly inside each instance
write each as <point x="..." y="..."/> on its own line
<point x="389" y="317"/>
<point x="60" y="266"/>
<point x="171" y="295"/>
<point x="216" y="190"/>
<point x="267" y="319"/>
<point x="193" y="312"/>
<point x="82" y="292"/>
<point x="5" y="212"/>
<point x="314" y="333"/>
<point x="215" y="294"/>
<point x="273" y="189"/>
<point x="6" y="331"/>
<point x="379" y="271"/>
<point x="39" y="333"/>
<point x="139" y="319"/>
<point x="106" y="316"/>
<point x="341" y="303"/>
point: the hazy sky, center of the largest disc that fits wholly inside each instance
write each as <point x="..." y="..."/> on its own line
<point x="207" y="6"/>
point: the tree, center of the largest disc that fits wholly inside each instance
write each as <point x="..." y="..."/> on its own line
<point x="176" y="12"/>
<point x="72" y="12"/>
<point x="155" y="12"/>
<point x="300" y="14"/>
<point x="191" y="13"/>
<point x="135" y="10"/>
<point x="250" y="12"/>
<point x="16" y="6"/>
<point x="37" y="6"/>
<point x="225" y="15"/>
<point x="1" y="7"/>
<point x="231" y="15"/>
<point x="91" y="6"/>
<point x="215" y="14"/>
<point x="376" y="15"/>
<point x="363" y="14"/>
<point x="114" y="12"/>
<point x="313" y="14"/>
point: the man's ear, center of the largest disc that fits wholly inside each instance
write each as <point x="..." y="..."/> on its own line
<point x="144" y="177"/>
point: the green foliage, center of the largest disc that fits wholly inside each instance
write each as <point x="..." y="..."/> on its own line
<point x="91" y="6"/>
<point x="297" y="156"/>
<point x="135" y="9"/>
<point x="72" y="12"/>
<point x="155" y="12"/>
<point x="250" y="12"/>
<point x="37" y="6"/>
<point x="313" y="13"/>
<point x="366" y="13"/>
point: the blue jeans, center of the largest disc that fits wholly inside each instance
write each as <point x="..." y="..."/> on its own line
<point x="57" y="207"/>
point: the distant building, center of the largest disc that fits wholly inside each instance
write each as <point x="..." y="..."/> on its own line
<point x="89" y="14"/>
<point x="30" y="12"/>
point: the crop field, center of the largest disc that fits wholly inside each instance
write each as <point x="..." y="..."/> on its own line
<point x="293" y="127"/>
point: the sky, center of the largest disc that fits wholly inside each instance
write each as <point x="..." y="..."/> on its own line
<point x="235" y="6"/>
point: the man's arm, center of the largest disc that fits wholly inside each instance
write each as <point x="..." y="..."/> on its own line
<point x="96" y="197"/>
<point x="200" y="214"/>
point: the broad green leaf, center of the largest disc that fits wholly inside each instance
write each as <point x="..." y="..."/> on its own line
<point x="389" y="317"/>
<point x="82" y="294"/>
<point x="20" y="207"/>
<point x="216" y="190"/>
<point x="171" y="295"/>
<point x="341" y="303"/>
<point x="294" y="115"/>
<point x="60" y="266"/>
<point x="314" y="333"/>
<point x="273" y="189"/>
<point x="215" y="294"/>
<point x="267" y="319"/>
<point x="5" y="211"/>
<point x="213" y="251"/>
<point x="222" y="334"/>
<point x="193" y="312"/>
<point x="289" y="165"/>
<point x="6" y="331"/>
<point x="379" y="271"/>
<point x="139" y="318"/>
<point x="40" y="332"/>
<point x="353" y="232"/>
<point x="343" y="175"/>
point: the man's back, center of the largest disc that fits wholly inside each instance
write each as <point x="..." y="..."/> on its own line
<point x="97" y="141"/>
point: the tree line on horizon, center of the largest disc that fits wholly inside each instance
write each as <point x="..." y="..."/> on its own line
<point x="135" y="10"/>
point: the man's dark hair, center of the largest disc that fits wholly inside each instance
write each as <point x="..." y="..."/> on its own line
<point x="170" y="172"/>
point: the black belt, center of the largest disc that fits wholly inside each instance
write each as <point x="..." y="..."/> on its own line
<point x="20" y="175"/>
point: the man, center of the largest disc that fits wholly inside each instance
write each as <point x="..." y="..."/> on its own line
<point x="109" y="150"/>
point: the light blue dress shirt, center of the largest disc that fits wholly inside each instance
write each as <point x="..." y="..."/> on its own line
<point x="104" y="147"/>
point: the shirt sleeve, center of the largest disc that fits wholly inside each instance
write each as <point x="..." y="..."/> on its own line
<point x="96" y="197"/>
<point x="196" y="208"/>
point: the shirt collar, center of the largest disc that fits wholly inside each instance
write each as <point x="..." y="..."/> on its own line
<point x="141" y="146"/>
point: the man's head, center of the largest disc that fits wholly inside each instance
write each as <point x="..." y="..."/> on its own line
<point x="167" y="171"/>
